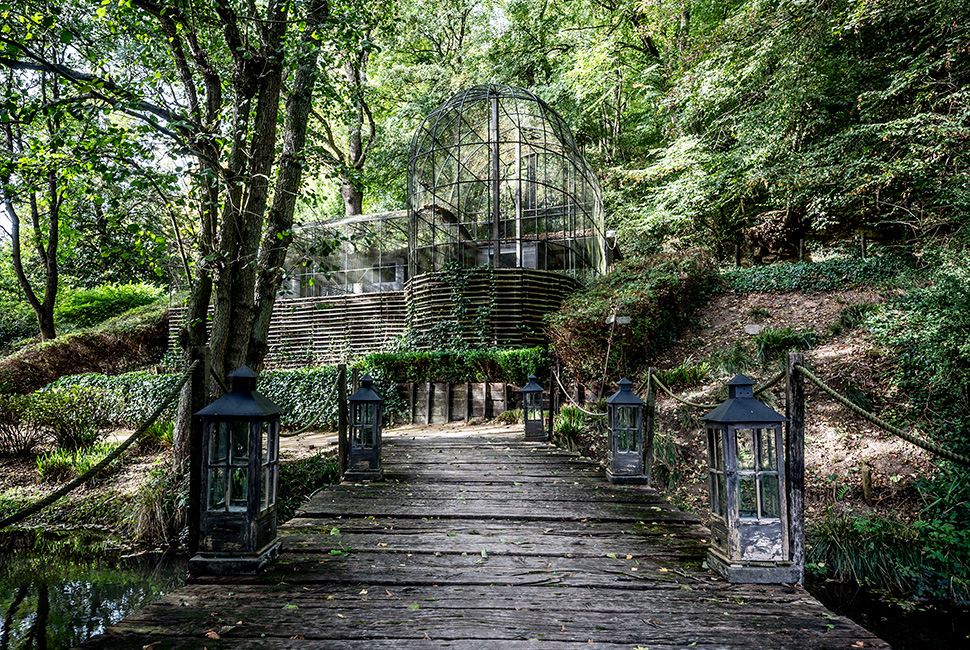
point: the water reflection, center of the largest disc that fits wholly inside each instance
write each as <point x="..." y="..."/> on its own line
<point x="51" y="600"/>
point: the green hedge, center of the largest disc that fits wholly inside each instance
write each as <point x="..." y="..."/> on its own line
<point x="826" y="275"/>
<point x="88" y="307"/>
<point x="513" y="366"/>
<point x="307" y="395"/>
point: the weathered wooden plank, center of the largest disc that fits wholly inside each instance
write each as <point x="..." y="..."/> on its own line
<point x="487" y="543"/>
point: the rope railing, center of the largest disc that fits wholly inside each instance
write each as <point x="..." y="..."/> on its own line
<point x="320" y="417"/>
<point x="774" y="379"/>
<point x="570" y="397"/>
<point x="908" y="436"/>
<point x="107" y="460"/>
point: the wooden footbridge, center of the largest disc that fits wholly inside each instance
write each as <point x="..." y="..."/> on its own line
<point x="479" y="540"/>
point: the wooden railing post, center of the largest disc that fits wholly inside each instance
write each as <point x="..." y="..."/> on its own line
<point x="795" y="456"/>
<point x="342" y="442"/>
<point x="468" y="401"/>
<point x="649" y="415"/>
<point x="430" y="401"/>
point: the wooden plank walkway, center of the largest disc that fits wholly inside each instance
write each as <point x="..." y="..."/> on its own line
<point x="480" y="540"/>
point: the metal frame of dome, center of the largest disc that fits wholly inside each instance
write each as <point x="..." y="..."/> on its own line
<point x="495" y="178"/>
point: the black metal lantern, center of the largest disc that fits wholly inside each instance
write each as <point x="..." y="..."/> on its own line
<point x="625" y="422"/>
<point x="240" y="447"/>
<point x="366" y="419"/>
<point x="749" y="508"/>
<point x="532" y="410"/>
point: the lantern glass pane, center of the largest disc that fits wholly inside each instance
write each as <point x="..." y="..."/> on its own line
<point x="770" y="506"/>
<point x="745" y="438"/>
<point x="264" y="484"/>
<point x="274" y="440"/>
<point x="264" y="442"/>
<point x="274" y="476"/>
<point x="366" y="415"/>
<point x="240" y="443"/>
<point x="747" y="497"/>
<point x="768" y="452"/>
<point x="217" y="489"/>
<point x="720" y="507"/>
<point x="218" y="442"/>
<point x="627" y="428"/>
<point x="716" y="450"/>
<point x="238" y="488"/>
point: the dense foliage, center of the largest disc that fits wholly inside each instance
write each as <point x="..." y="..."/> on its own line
<point x="627" y="316"/>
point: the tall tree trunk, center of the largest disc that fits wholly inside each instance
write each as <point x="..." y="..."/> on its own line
<point x="353" y="199"/>
<point x="279" y="221"/>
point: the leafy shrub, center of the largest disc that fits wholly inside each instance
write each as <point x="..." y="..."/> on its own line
<point x="74" y="418"/>
<point x="771" y="343"/>
<point x="19" y="431"/>
<point x="567" y="427"/>
<point x="61" y="464"/>
<point x="300" y="479"/>
<point x="731" y="360"/>
<point x="658" y="294"/>
<point x="925" y="559"/>
<point x="512" y="416"/>
<point x="928" y="330"/>
<point x="160" y="434"/>
<point x="162" y="504"/>
<point x="513" y="366"/>
<point x="87" y="307"/>
<point x="132" y="396"/>
<point x="826" y="275"/>
<point x="17" y="322"/>
<point x="850" y="317"/>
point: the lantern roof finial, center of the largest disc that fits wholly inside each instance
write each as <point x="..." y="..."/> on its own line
<point x="366" y="392"/>
<point x="243" y="401"/>
<point x="742" y="406"/>
<point x="625" y="396"/>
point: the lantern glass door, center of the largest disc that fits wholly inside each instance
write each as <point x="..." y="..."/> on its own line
<point x="627" y="429"/>
<point x="228" y="466"/>
<point x="758" y="483"/>
<point x="362" y="436"/>
<point x="533" y="407"/>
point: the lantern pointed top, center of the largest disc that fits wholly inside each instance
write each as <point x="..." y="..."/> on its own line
<point x="742" y="406"/>
<point x="532" y="385"/>
<point x="242" y="401"/>
<point x="366" y="392"/>
<point x="625" y="396"/>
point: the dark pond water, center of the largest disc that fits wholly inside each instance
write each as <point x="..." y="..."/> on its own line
<point x="53" y="598"/>
<point x="915" y="627"/>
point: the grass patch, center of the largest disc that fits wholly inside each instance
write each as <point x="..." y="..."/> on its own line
<point x="688" y="373"/>
<point x="64" y="464"/>
<point x="772" y="343"/>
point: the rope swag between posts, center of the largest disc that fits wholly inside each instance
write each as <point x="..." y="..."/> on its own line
<point x="97" y="469"/>
<point x="914" y="438"/>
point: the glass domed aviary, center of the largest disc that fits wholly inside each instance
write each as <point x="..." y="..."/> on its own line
<point x="495" y="178"/>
